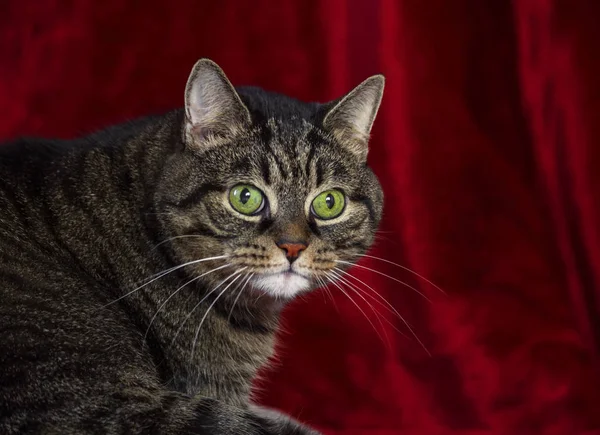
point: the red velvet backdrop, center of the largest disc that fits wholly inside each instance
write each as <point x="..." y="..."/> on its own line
<point x="487" y="144"/>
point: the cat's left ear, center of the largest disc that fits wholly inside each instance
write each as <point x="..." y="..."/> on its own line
<point x="213" y="108"/>
<point x="351" y="119"/>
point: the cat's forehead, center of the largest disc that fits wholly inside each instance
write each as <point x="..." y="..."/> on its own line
<point x="289" y="130"/>
<point x="290" y="157"/>
<point x="295" y="138"/>
<point x="294" y="151"/>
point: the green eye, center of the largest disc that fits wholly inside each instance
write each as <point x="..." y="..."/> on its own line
<point x="329" y="204"/>
<point x="246" y="199"/>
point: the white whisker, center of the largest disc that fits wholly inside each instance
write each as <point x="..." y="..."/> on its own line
<point x="373" y="298"/>
<point x="356" y="305"/>
<point x="177" y="291"/>
<point x="405" y="268"/>
<point x="327" y="291"/>
<point x="392" y="308"/>
<point x="387" y="276"/>
<point x="238" y="296"/>
<point x="164" y="273"/>
<point x="198" y="304"/>
<point x="378" y="315"/>
<point x="208" y="310"/>
<point x="389" y="306"/>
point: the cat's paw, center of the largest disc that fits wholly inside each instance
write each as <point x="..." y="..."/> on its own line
<point x="275" y="422"/>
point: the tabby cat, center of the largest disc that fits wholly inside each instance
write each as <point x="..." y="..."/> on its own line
<point x="143" y="268"/>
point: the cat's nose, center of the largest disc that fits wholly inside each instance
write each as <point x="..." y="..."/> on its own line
<point x="292" y="248"/>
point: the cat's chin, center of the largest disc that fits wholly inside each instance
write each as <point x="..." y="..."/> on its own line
<point x="281" y="285"/>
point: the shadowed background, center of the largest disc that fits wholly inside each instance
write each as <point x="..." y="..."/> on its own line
<point x="487" y="145"/>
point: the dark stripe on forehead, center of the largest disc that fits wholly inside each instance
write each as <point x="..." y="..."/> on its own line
<point x="295" y="158"/>
<point x="319" y="173"/>
<point x="280" y="166"/>
<point x="265" y="170"/>
<point x="196" y="195"/>
<point x="314" y="139"/>
<point x="309" y="159"/>
<point x="271" y="152"/>
<point x="295" y="166"/>
<point x="265" y="134"/>
<point x="338" y="169"/>
<point x="241" y="166"/>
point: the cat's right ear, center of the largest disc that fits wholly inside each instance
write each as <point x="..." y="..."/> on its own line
<point x="350" y="120"/>
<point x="213" y="108"/>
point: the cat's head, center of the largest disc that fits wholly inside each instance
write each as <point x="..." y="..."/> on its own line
<point x="269" y="193"/>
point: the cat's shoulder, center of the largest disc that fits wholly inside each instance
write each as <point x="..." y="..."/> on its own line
<point x="26" y="150"/>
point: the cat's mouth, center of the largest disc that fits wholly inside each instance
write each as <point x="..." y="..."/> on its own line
<point x="285" y="284"/>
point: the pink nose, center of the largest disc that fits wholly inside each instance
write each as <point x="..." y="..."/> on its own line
<point x="292" y="249"/>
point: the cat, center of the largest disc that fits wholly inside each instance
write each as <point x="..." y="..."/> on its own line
<point x="241" y="201"/>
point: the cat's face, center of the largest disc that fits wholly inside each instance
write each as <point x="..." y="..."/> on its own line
<point x="278" y="203"/>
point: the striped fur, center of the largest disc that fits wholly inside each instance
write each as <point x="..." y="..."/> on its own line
<point x="85" y="222"/>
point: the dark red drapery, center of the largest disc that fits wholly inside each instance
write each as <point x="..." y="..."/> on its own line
<point x="487" y="145"/>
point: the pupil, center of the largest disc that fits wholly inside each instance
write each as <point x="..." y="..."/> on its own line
<point x="330" y="201"/>
<point x="245" y="196"/>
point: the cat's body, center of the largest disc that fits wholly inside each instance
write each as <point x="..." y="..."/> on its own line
<point x="85" y="223"/>
<point x="51" y="221"/>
